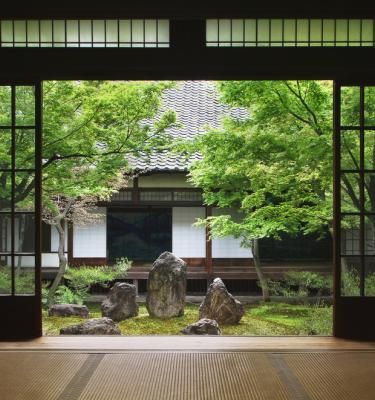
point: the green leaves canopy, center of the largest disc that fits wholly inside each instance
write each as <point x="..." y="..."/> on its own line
<point x="89" y="131"/>
<point x="276" y="166"/>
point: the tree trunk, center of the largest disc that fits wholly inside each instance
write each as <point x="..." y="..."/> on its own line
<point x="259" y="271"/>
<point x="62" y="264"/>
<point x="21" y="238"/>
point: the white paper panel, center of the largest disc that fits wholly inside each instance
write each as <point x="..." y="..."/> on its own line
<point x="55" y="239"/>
<point x="289" y="32"/>
<point x="188" y="240"/>
<point x="91" y="240"/>
<point x="50" y="260"/>
<point x="84" y="33"/>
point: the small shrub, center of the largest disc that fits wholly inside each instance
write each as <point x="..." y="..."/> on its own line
<point x="350" y="283"/>
<point x="80" y="279"/>
<point x="24" y="280"/>
<point x="45" y="286"/>
<point x="370" y="285"/>
<point x="65" y="295"/>
<point x="121" y="267"/>
<point x="318" y="321"/>
<point x="5" y="281"/>
<point x="301" y="284"/>
<point x="308" y="282"/>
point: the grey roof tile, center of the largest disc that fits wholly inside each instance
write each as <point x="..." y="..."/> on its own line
<point x="197" y="108"/>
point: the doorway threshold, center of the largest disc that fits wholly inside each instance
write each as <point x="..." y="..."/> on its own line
<point x="187" y="343"/>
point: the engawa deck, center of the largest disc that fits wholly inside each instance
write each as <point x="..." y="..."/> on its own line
<point x="238" y="272"/>
<point x="228" y="271"/>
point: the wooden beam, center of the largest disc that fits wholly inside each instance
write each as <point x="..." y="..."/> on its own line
<point x="136" y="196"/>
<point x="70" y="243"/>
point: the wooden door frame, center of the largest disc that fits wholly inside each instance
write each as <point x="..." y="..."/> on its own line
<point x="188" y="57"/>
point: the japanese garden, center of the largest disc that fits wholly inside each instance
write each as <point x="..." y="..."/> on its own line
<point x="165" y="203"/>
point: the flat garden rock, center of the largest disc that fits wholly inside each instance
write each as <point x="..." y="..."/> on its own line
<point x="204" y="326"/>
<point x="121" y="302"/>
<point x="220" y="305"/>
<point x="94" y="326"/>
<point x="166" y="287"/>
<point x="68" y="310"/>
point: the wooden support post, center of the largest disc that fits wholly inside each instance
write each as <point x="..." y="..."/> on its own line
<point x="70" y="239"/>
<point x="135" y="283"/>
<point x="209" y="264"/>
<point x="136" y="196"/>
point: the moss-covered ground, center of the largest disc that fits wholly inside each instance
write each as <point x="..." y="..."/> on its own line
<point x="269" y="319"/>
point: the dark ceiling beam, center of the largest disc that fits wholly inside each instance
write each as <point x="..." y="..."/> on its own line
<point x="210" y="63"/>
<point x="182" y="9"/>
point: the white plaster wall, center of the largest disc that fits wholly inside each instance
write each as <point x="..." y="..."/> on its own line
<point x="228" y="247"/>
<point x="48" y="259"/>
<point x="26" y="261"/>
<point x="188" y="240"/>
<point x="164" y="181"/>
<point x="91" y="240"/>
<point x="51" y="259"/>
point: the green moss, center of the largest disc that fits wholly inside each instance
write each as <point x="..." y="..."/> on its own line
<point x="269" y="319"/>
<point x="143" y="324"/>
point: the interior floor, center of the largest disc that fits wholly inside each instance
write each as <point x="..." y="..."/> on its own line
<point x="187" y="368"/>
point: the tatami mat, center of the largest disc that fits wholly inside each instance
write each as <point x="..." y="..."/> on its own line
<point x="187" y="375"/>
<point x="344" y="376"/>
<point x="37" y="376"/>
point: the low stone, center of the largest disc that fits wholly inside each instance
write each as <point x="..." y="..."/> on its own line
<point x="94" y="326"/>
<point x="120" y="303"/>
<point x="220" y="305"/>
<point x="166" y="287"/>
<point x="204" y="326"/>
<point x="68" y="310"/>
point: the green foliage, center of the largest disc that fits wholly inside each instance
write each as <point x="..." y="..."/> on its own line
<point x="264" y="319"/>
<point x="99" y="275"/>
<point x="301" y="284"/>
<point x="24" y="280"/>
<point x="370" y="285"/>
<point x="45" y="293"/>
<point x="351" y="283"/>
<point x="80" y="279"/>
<point x="5" y="278"/>
<point x="89" y="130"/>
<point x="65" y="295"/>
<point x="275" y="167"/>
<point x="318" y="321"/>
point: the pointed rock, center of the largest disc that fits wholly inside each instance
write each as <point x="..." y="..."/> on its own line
<point x="220" y="305"/>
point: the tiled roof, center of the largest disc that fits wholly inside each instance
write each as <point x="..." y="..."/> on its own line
<point x="197" y="107"/>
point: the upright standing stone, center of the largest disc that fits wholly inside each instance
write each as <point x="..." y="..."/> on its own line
<point x="220" y="305"/>
<point x="166" y="287"/>
<point x="121" y="302"/>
